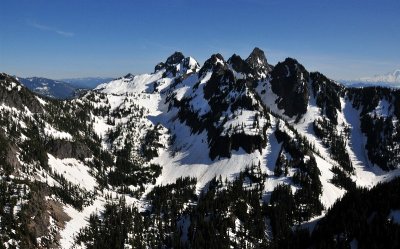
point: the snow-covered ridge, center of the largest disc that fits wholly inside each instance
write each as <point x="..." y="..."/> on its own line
<point x="135" y="84"/>
<point x="174" y="116"/>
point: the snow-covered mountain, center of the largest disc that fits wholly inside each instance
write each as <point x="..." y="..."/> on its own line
<point x="233" y="153"/>
<point x="392" y="77"/>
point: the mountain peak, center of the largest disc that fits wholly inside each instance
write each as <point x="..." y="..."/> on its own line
<point x="238" y="64"/>
<point x="257" y="56"/>
<point x="129" y="75"/>
<point x="172" y="60"/>
<point x="257" y="52"/>
<point x="258" y="62"/>
<point x="175" y="58"/>
<point x="397" y="73"/>
<point x="216" y="60"/>
<point x="290" y="61"/>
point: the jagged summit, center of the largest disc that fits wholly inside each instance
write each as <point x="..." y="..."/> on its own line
<point x="257" y="56"/>
<point x="177" y="63"/>
<point x="258" y="62"/>
<point x="216" y="60"/>
<point x="238" y="64"/>
<point x="175" y="58"/>
<point x="129" y="75"/>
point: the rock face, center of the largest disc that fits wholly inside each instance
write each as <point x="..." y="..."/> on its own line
<point x="175" y="58"/>
<point x="67" y="149"/>
<point x="289" y="80"/>
<point x="239" y="65"/>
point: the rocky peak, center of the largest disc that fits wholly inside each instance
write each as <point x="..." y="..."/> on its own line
<point x="159" y="66"/>
<point x="238" y="64"/>
<point x="258" y="62"/>
<point x="177" y="64"/>
<point x="171" y="61"/>
<point x="289" y="81"/>
<point x="216" y="59"/>
<point x="289" y="68"/>
<point x="129" y="76"/>
<point x="215" y="62"/>
<point x="257" y="56"/>
<point x="175" y="58"/>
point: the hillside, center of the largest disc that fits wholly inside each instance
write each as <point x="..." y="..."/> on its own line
<point x="234" y="153"/>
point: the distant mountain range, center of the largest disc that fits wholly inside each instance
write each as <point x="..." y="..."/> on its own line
<point x="61" y="89"/>
<point x="86" y="82"/>
<point x="391" y="79"/>
<point x="48" y="87"/>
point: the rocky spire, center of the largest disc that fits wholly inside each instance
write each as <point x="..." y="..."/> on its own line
<point x="171" y="61"/>
<point x="258" y="62"/>
<point x="175" y="58"/>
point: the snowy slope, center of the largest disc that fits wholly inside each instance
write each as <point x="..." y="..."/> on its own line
<point x="189" y="154"/>
<point x="208" y="121"/>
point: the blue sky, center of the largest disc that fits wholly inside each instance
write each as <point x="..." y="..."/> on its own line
<point x="344" y="39"/>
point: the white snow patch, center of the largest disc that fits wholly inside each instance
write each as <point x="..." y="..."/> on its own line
<point x="74" y="171"/>
<point x="199" y="103"/>
<point x="52" y="132"/>
<point x="41" y="101"/>
<point x="139" y="83"/>
<point x="383" y="109"/>
<point x="78" y="221"/>
<point x="330" y="193"/>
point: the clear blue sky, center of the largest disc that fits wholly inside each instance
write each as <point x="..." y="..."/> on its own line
<point x="344" y="39"/>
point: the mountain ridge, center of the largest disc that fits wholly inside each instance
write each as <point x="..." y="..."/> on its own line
<point x="290" y="143"/>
